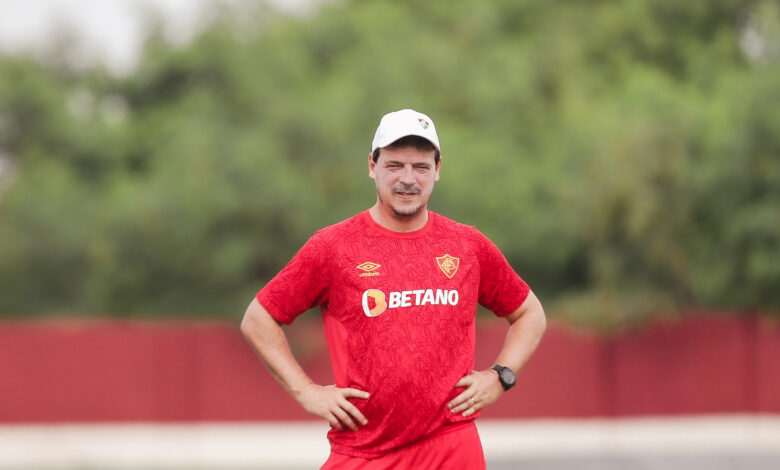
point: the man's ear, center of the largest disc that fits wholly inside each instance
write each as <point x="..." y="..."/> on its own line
<point x="371" y="166"/>
<point x="438" y="165"/>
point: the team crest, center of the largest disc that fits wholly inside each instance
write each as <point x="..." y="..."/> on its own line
<point x="448" y="264"/>
<point x="423" y="123"/>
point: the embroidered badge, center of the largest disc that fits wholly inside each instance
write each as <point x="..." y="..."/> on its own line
<point x="423" y="123"/>
<point x="448" y="264"/>
<point x="369" y="269"/>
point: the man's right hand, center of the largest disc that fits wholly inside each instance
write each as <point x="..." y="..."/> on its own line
<point x="330" y="402"/>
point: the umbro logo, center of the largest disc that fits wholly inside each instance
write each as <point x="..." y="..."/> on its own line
<point x="369" y="268"/>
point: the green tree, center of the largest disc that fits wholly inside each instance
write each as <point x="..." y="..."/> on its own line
<point x="624" y="155"/>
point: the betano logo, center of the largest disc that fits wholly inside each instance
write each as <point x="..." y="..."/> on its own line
<point x="375" y="302"/>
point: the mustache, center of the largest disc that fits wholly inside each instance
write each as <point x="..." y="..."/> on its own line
<point x="400" y="187"/>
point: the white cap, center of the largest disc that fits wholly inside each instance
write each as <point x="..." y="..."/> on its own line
<point x="401" y="123"/>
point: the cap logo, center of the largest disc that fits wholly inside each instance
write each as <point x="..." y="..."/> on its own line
<point x="423" y="123"/>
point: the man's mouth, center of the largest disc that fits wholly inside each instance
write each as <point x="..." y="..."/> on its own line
<point x="406" y="191"/>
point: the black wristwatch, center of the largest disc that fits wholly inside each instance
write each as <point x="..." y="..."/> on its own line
<point x="505" y="376"/>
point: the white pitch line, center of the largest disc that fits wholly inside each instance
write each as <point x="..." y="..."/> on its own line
<point x="164" y="446"/>
<point x="277" y="445"/>
<point x="714" y="435"/>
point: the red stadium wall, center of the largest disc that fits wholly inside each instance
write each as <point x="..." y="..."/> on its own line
<point x="77" y="371"/>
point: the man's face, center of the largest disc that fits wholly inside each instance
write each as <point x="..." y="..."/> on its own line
<point x="404" y="179"/>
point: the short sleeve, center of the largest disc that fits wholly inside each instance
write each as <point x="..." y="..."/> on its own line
<point x="501" y="290"/>
<point x="300" y="285"/>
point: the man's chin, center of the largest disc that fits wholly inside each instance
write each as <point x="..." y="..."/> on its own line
<point x="407" y="212"/>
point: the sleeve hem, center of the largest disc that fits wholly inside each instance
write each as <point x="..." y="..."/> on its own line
<point x="503" y="313"/>
<point x="271" y="308"/>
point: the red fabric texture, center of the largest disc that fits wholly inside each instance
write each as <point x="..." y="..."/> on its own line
<point x="454" y="447"/>
<point x="398" y="312"/>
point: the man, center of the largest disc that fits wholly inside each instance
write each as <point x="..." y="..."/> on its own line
<point x="398" y="286"/>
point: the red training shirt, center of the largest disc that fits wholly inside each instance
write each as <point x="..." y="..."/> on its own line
<point x="398" y="311"/>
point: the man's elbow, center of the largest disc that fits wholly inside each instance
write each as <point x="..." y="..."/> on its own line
<point x="250" y="321"/>
<point x="257" y="321"/>
<point x="542" y="319"/>
<point x="532" y="309"/>
<point x="246" y="327"/>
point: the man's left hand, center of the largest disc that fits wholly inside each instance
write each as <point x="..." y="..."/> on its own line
<point x="482" y="389"/>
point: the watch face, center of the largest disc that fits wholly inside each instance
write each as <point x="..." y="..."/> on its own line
<point x="507" y="377"/>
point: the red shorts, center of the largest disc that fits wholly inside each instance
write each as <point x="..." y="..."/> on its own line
<point x="457" y="447"/>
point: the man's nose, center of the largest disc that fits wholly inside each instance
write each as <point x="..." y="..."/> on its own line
<point x="407" y="175"/>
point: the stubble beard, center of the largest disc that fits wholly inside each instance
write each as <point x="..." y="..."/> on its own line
<point x="403" y="214"/>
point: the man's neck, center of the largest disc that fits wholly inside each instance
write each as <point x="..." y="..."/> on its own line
<point x="399" y="223"/>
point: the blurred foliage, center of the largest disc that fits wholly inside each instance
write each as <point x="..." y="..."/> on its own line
<point x="625" y="155"/>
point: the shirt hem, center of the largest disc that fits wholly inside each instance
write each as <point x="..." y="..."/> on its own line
<point x="366" y="454"/>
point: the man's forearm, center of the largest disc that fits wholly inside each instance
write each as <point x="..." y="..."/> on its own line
<point x="270" y="343"/>
<point x="329" y="402"/>
<point x="527" y="325"/>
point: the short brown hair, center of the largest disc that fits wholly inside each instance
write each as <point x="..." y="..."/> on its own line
<point x="420" y="143"/>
